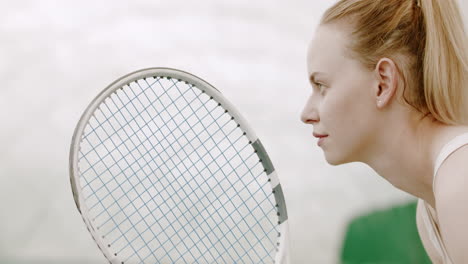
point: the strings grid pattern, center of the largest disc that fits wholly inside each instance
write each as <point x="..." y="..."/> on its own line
<point x="169" y="176"/>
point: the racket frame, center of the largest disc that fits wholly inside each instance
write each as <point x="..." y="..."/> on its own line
<point x="282" y="246"/>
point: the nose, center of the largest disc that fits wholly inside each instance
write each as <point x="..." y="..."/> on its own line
<point x="309" y="114"/>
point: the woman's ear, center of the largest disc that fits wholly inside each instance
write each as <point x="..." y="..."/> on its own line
<point x="387" y="80"/>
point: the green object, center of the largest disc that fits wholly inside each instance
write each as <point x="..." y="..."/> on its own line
<point x="384" y="237"/>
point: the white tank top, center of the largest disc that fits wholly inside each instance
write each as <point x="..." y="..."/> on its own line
<point x="427" y="215"/>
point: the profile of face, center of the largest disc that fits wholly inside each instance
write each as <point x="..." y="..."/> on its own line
<point x="342" y="104"/>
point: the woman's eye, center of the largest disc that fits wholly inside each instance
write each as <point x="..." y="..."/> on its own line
<point x="319" y="87"/>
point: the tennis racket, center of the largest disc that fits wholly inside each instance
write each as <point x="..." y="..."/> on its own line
<point x="164" y="169"/>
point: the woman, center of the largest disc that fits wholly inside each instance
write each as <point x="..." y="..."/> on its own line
<point x="389" y="89"/>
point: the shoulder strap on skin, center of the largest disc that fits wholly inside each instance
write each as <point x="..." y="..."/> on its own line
<point x="429" y="225"/>
<point x="433" y="232"/>
<point x="448" y="149"/>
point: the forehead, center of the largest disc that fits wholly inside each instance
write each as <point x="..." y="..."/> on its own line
<point x="327" y="49"/>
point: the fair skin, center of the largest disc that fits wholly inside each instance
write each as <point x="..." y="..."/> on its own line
<point x="366" y="120"/>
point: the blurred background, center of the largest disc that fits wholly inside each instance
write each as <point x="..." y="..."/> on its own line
<point x="56" y="56"/>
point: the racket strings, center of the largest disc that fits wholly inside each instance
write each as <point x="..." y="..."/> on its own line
<point x="188" y="182"/>
<point x="195" y="216"/>
<point x="133" y="149"/>
<point x="208" y="151"/>
<point x="142" y="156"/>
<point x="122" y="172"/>
<point x="214" y="160"/>
<point x="110" y="193"/>
<point x="231" y="143"/>
<point x="175" y="192"/>
<point x="127" y="217"/>
<point x="225" y="136"/>
<point x="86" y="135"/>
<point x="162" y="243"/>
<point x="101" y="202"/>
<point x="125" y="192"/>
<point x="123" y="208"/>
<point x="133" y="225"/>
<point x="107" y="120"/>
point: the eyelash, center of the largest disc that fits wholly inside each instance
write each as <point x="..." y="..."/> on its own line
<point x="317" y="85"/>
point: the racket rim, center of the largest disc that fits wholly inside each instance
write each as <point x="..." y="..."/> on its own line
<point x="196" y="82"/>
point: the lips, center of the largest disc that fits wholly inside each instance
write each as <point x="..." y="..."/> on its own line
<point x="317" y="135"/>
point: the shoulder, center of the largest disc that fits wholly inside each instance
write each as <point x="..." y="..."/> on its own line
<point x="450" y="173"/>
<point x="451" y="197"/>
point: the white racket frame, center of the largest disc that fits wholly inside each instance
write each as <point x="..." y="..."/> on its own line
<point x="282" y="255"/>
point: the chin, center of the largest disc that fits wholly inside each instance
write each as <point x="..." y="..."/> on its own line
<point x="336" y="160"/>
<point x="332" y="161"/>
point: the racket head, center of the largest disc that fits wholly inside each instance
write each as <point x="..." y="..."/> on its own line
<point x="87" y="201"/>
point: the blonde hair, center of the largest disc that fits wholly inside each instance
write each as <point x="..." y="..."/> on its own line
<point x="427" y="41"/>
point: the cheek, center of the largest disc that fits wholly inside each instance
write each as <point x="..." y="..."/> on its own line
<point x="338" y="109"/>
<point x="345" y="141"/>
<point x="346" y="117"/>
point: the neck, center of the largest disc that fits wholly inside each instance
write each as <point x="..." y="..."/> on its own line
<point x="405" y="156"/>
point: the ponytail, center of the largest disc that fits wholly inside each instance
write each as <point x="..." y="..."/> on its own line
<point x="445" y="61"/>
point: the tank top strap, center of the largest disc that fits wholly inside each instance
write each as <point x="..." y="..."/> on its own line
<point x="448" y="149"/>
<point x="433" y="232"/>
